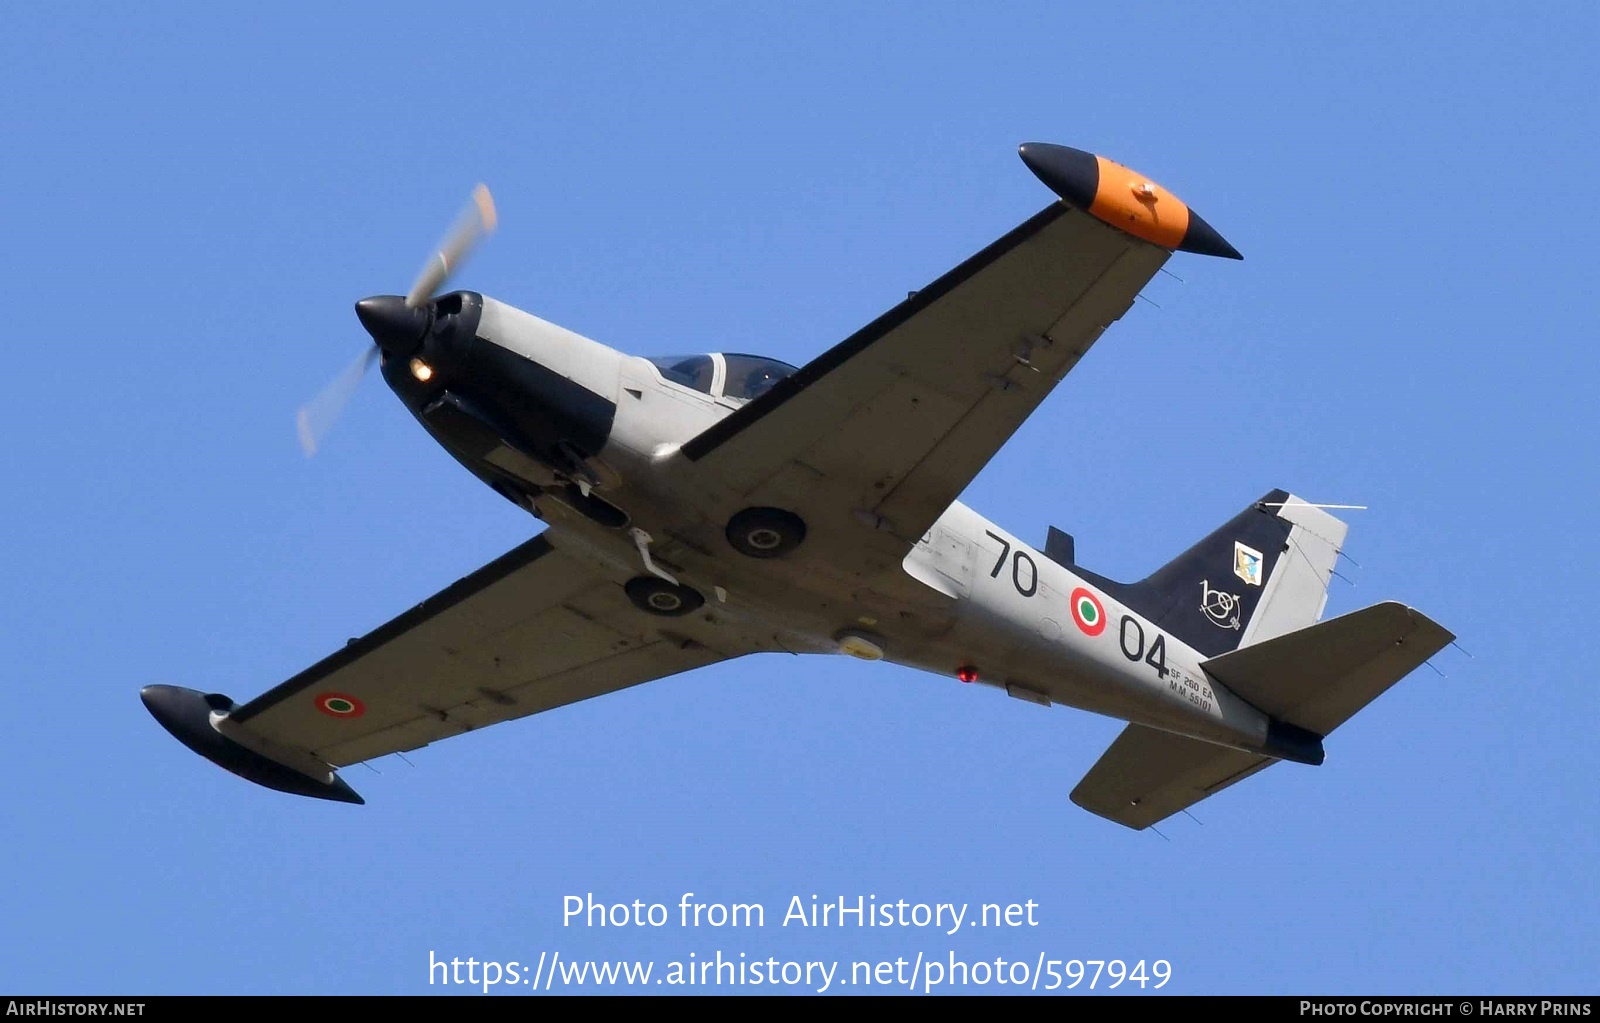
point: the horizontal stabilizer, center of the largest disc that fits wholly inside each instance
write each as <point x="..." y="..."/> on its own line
<point x="1317" y="678"/>
<point x="1148" y="775"/>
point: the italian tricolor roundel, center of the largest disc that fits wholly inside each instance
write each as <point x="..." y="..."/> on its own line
<point x="340" y="706"/>
<point x="1087" y="612"/>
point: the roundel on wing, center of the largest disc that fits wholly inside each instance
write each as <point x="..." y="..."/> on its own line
<point x="1088" y="612"/>
<point x="340" y="705"/>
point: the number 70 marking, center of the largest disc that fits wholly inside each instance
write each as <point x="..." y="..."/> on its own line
<point x="1019" y="559"/>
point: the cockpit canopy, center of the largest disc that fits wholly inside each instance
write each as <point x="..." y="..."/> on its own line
<point x="737" y="377"/>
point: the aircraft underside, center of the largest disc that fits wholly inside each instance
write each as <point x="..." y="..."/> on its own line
<point x="711" y="506"/>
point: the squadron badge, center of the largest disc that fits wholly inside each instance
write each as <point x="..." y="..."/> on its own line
<point x="1247" y="563"/>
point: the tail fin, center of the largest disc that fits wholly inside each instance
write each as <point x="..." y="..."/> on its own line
<point x="1263" y="574"/>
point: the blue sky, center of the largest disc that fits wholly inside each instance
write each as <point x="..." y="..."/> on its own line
<point x="193" y="199"/>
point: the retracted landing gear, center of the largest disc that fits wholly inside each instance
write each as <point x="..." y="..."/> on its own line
<point x="765" y="532"/>
<point x="658" y="593"/>
<point x="658" y="597"/>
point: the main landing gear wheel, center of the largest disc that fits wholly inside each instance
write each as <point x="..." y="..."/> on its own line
<point x="659" y="597"/>
<point x="765" y="532"/>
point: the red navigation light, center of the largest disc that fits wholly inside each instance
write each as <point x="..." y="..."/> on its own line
<point x="967" y="673"/>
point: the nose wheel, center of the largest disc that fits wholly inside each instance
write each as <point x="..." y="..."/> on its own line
<point x="656" y="596"/>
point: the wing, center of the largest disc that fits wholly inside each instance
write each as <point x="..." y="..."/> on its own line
<point x="536" y="629"/>
<point x="887" y="428"/>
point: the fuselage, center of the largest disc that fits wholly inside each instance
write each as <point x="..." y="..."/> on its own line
<point x="587" y="438"/>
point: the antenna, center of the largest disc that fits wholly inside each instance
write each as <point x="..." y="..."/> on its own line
<point x="1310" y="504"/>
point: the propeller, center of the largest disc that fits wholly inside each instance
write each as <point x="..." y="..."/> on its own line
<point x="317" y="416"/>
<point x="385" y="318"/>
<point x="476" y="221"/>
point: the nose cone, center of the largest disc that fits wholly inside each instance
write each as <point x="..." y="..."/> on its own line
<point x="181" y="710"/>
<point x="1204" y="239"/>
<point x="395" y="327"/>
<point x="1072" y="174"/>
<point x="167" y="704"/>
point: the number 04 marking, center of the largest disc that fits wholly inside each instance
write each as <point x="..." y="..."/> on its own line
<point x="1134" y="650"/>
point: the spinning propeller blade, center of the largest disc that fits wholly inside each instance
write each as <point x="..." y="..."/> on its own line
<point x="474" y="223"/>
<point x="315" y="418"/>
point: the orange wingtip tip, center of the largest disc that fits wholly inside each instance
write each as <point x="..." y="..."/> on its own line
<point x="1126" y="199"/>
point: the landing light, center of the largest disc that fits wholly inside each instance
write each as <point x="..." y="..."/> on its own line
<point x="421" y="370"/>
<point x="860" y="644"/>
